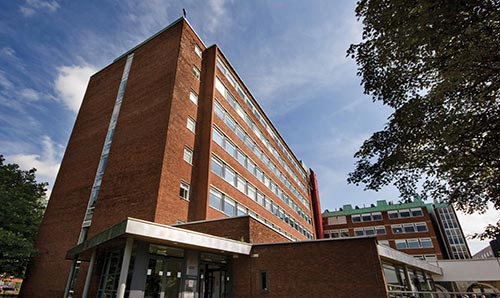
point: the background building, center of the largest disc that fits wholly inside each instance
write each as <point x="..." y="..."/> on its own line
<point x="426" y="231"/>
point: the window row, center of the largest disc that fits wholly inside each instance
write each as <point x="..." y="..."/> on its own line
<point x="374" y="216"/>
<point x="369" y="231"/>
<point x="226" y="204"/>
<point x="247" y="140"/>
<point x="430" y="257"/>
<point x="257" y="115"/>
<point x="228" y="174"/>
<point x="247" y="163"/>
<point x="239" y="110"/>
<point x="409" y="228"/>
<point x="413" y="243"/>
<point x="405" y="213"/>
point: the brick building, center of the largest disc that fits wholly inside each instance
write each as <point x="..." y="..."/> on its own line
<point x="425" y="231"/>
<point x="175" y="183"/>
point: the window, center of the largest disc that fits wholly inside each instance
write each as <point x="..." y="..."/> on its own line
<point x="397" y="229"/>
<point x="393" y="214"/>
<point x="366" y="217"/>
<point x="229" y="175"/>
<point x="356" y="218"/>
<point x="229" y="206"/>
<point x="416" y="212"/>
<point x="251" y="191"/>
<point x="400" y="244"/>
<point x="369" y="231"/>
<point x="217" y="166"/>
<point x="215" y="199"/>
<point x="264" y="282"/>
<point x="380" y="230"/>
<point x="241" y="210"/>
<point x="426" y="242"/>
<point x="196" y="72"/>
<point x="217" y="136"/>
<point x="191" y="124"/>
<point x="188" y="155"/>
<point x="241" y="184"/>
<point x="193" y="97"/>
<point x="421" y="227"/>
<point x="377" y="216"/>
<point x="230" y="148"/>
<point x="241" y="157"/>
<point x="404" y="213"/>
<point x="408" y="228"/>
<point x="197" y="50"/>
<point x="184" y="191"/>
<point x="358" y="232"/>
<point x="413" y="243"/>
<point x="218" y="110"/>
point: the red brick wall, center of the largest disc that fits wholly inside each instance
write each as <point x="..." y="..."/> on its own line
<point x="242" y="228"/>
<point x="331" y="268"/>
<point x="63" y="218"/>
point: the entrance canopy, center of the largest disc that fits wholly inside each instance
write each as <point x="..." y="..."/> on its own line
<point x="161" y="234"/>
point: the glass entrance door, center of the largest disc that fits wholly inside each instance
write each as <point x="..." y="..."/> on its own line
<point x="163" y="277"/>
<point x="215" y="281"/>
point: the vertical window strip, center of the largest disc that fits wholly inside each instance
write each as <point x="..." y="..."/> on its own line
<point x="105" y="151"/>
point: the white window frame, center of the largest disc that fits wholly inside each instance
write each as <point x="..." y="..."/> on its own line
<point x="198" y="50"/>
<point x="188" y="155"/>
<point x="184" y="190"/>
<point x="191" y="124"/>
<point x="196" y="72"/>
<point x="193" y="96"/>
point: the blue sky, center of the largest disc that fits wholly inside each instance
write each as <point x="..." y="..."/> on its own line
<point x="291" y="55"/>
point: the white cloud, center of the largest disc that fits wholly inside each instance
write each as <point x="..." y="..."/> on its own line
<point x="30" y="7"/>
<point x="4" y="81"/>
<point x="71" y="83"/>
<point x="8" y="52"/>
<point x="46" y="163"/>
<point x="475" y="223"/>
<point x="29" y="94"/>
<point x="218" y="12"/>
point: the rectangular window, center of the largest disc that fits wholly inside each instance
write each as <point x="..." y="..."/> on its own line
<point x="188" y="155"/>
<point x="217" y="136"/>
<point x="341" y="219"/>
<point x="380" y="230"/>
<point x="218" y="110"/>
<point x="241" y="184"/>
<point x="393" y="214"/>
<point x="229" y="175"/>
<point x="193" y="97"/>
<point x="241" y="157"/>
<point x="400" y="244"/>
<point x="344" y="233"/>
<point x="404" y="213"/>
<point x="376" y="216"/>
<point x="215" y="199"/>
<point x="260" y="198"/>
<point x="230" y="123"/>
<point x="366" y="217"/>
<point x="196" y="72"/>
<point x="369" y="231"/>
<point x="251" y="191"/>
<point x="409" y="228"/>
<point x="197" y="50"/>
<point x="191" y="124"/>
<point x="264" y="282"/>
<point x="241" y="210"/>
<point x="229" y="206"/>
<point x="356" y="218"/>
<point x="426" y="242"/>
<point x="217" y="166"/>
<point x="358" y="232"/>
<point x="184" y="191"/>
<point x="230" y="147"/>
<point x="416" y="212"/>
<point x="413" y="243"/>
<point x="397" y="229"/>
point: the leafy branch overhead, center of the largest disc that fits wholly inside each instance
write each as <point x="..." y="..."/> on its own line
<point x="22" y="203"/>
<point x="437" y="63"/>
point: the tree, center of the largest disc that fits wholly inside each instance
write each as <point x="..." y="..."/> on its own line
<point x="22" y="203"/>
<point x="437" y="64"/>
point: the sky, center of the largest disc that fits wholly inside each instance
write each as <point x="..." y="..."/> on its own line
<point x="291" y="54"/>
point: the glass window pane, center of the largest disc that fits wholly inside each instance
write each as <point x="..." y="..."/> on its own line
<point x="217" y="166"/>
<point x="404" y="213"/>
<point x="426" y="242"/>
<point x="229" y="206"/>
<point x="413" y="243"/>
<point x="377" y="216"/>
<point x="400" y="244"/>
<point x="229" y="175"/>
<point x="416" y="212"/>
<point x="215" y="199"/>
<point x="356" y="218"/>
<point x="409" y="228"/>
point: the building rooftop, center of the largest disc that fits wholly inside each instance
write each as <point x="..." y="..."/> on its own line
<point x="382" y="205"/>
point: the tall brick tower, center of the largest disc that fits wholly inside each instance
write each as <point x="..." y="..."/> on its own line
<point x="167" y="134"/>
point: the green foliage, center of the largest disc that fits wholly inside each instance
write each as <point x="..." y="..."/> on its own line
<point x="437" y="63"/>
<point x="22" y="203"/>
